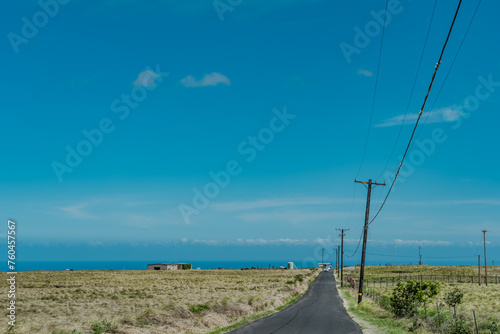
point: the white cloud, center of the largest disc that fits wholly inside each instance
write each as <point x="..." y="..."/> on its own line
<point x="277" y="202"/>
<point x="146" y="79"/>
<point x="366" y="73"/>
<point x="254" y="242"/>
<point x="212" y="79"/>
<point x="491" y="202"/>
<point x="292" y="216"/>
<point x="448" y="114"/>
<point x="422" y="243"/>
<point x="80" y="210"/>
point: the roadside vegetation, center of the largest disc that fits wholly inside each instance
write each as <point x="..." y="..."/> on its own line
<point x="189" y="301"/>
<point x="412" y="306"/>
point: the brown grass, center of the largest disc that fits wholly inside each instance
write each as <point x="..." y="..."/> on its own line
<point x="192" y="301"/>
<point x="484" y="300"/>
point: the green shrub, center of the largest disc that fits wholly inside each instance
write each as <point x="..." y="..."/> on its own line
<point x="405" y="294"/>
<point x="103" y="326"/>
<point x="454" y="298"/>
<point x="197" y="309"/>
<point x="415" y="325"/>
<point x="490" y="327"/>
<point x="186" y="266"/>
<point x="460" y="327"/>
<point x="299" y="278"/>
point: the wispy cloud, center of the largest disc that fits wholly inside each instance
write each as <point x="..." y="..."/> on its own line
<point x="308" y="242"/>
<point x="448" y="114"/>
<point x="292" y="216"/>
<point x="366" y="73"/>
<point x="490" y="202"/>
<point x="277" y="203"/>
<point x="255" y="242"/>
<point x="212" y="79"/>
<point x="80" y="210"/>
<point x="146" y="79"/>
<point x="422" y="243"/>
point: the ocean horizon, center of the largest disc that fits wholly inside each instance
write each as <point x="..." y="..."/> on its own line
<point x="203" y="265"/>
<point x="142" y="265"/>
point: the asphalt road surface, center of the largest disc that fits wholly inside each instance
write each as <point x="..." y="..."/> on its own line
<point x="318" y="311"/>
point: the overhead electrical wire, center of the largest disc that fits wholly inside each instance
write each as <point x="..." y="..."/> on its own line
<point x="359" y="242"/>
<point x="412" y="90"/>
<point x="451" y="67"/>
<point x="421" y="111"/>
<point x="411" y="257"/>
<point x="374" y="91"/>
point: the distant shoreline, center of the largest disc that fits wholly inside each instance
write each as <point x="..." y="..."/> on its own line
<point x="24" y="266"/>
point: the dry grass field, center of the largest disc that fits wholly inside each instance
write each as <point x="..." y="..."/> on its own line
<point x="191" y="301"/>
<point x="484" y="300"/>
<point x="387" y="271"/>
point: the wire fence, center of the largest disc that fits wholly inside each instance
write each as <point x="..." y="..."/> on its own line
<point x="393" y="280"/>
<point x="436" y="317"/>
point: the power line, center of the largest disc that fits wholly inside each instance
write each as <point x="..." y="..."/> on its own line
<point x="412" y="257"/>
<point x="359" y="243"/>
<point x="412" y="90"/>
<point x="451" y="66"/>
<point x="421" y="110"/>
<point x="374" y="91"/>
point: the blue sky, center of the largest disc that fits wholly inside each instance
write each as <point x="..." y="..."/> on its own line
<point x="262" y="94"/>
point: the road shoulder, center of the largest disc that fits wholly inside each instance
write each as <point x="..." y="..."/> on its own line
<point x="366" y="327"/>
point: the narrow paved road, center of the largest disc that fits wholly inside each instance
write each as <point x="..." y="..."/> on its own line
<point x="318" y="311"/>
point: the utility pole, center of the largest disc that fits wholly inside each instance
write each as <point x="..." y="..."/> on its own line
<point x="342" y="234"/>
<point x="338" y="259"/>
<point x="323" y="257"/>
<point x="479" y="267"/>
<point x="365" y="233"/>
<point x="419" y="256"/>
<point x="485" y="264"/>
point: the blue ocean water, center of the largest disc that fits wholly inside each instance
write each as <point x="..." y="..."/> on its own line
<point x="141" y="265"/>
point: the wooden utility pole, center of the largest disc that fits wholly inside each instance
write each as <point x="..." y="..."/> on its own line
<point x="479" y="267"/>
<point x="338" y="259"/>
<point x="342" y="234"/>
<point x="323" y="257"/>
<point x="365" y="233"/>
<point x="419" y="256"/>
<point x="485" y="264"/>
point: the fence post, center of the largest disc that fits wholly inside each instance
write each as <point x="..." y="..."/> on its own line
<point x="455" y="313"/>
<point x="475" y="322"/>
<point x="439" y="319"/>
